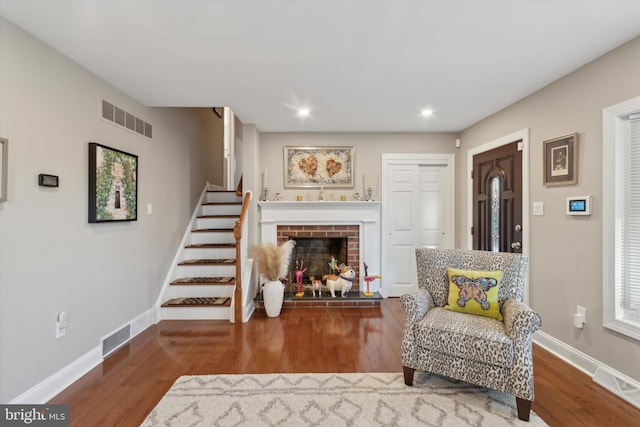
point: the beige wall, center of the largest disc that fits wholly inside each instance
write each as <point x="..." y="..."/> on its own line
<point x="566" y="255"/>
<point x="213" y="127"/>
<point x="51" y="259"/>
<point x="368" y="148"/>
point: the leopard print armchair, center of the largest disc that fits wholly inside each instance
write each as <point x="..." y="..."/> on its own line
<point x="471" y="348"/>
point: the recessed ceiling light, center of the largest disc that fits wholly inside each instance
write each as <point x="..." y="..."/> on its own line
<point x="426" y="113"/>
<point x="304" y="112"/>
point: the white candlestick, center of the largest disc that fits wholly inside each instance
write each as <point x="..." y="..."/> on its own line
<point x="364" y="184"/>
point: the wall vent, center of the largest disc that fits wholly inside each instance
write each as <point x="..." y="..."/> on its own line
<point x="127" y="120"/>
<point x="115" y="340"/>
<point x="618" y="384"/>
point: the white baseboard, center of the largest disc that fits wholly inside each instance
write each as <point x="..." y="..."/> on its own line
<point x="44" y="391"/>
<point x="616" y="382"/>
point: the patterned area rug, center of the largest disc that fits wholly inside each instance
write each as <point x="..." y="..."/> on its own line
<point x="375" y="399"/>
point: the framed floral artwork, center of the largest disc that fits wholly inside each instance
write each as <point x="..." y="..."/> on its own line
<point x="319" y="166"/>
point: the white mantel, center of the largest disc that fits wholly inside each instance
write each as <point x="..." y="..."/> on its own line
<point x="364" y="214"/>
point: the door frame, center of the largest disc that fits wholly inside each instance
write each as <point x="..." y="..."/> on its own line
<point x="523" y="135"/>
<point x="418" y="159"/>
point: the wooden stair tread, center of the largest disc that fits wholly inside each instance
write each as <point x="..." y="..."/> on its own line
<point x="210" y="245"/>
<point x="218" y="216"/>
<point x="213" y="230"/>
<point x="204" y="281"/>
<point x="198" y="302"/>
<point x="208" y="262"/>
<point x="220" y="203"/>
<point x="221" y="191"/>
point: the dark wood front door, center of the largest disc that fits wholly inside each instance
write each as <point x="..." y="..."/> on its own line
<point x="497" y="199"/>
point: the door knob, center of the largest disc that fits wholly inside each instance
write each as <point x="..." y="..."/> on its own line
<point x="516" y="245"/>
<point x="518" y="227"/>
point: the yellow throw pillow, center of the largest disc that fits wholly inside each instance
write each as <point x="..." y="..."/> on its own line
<point x="474" y="292"/>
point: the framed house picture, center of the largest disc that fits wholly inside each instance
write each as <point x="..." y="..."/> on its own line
<point x="561" y="160"/>
<point x="113" y="184"/>
<point x="319" y="166"/>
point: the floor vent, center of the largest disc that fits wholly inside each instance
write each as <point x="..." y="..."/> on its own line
<point x="127" y="120"/>
<point x="624" y="387"/>
<point x="115" y="340"/>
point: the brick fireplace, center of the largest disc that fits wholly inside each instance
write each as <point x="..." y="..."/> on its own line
<point x="358" y="222"/>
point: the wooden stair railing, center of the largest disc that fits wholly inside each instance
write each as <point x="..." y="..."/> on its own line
<point x="237" y="234"/>
<point x="239" y="188"/>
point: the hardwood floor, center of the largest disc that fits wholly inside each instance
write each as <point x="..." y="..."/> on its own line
<point x="127" y="386"/>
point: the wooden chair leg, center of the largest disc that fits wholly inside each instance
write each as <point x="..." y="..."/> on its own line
<point x="408" y="375"/>
<point x="524" y="408"/>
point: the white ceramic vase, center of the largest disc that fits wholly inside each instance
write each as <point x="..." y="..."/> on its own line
<point x="273" y="295"/>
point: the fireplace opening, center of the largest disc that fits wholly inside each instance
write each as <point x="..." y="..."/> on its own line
<point x="315" y="254"/>
<point x="315" y="244"/>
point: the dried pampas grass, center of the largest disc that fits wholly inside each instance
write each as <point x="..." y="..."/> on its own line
<point x="273" y="261"/>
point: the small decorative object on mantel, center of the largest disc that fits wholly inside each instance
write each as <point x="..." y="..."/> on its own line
<point x="369" y="194"/>
<point x="272" y="263"/>
<point x="369" y="279"/>
<point x="265" y="186"/>
<point x="561" y="160"/>
<point x="356" y="196"/>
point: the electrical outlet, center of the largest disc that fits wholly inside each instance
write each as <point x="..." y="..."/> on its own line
<point x="61" y="324"/>
<point x="582" y="311"/>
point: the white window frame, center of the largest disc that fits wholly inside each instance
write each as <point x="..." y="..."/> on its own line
<point x="615" y="137"/>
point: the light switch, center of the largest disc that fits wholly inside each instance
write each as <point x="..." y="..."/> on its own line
<point x="149" y="208"/>
<point x="538" y="208"/>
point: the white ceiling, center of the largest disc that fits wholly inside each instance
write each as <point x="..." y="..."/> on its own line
<point x="358" y="65"/>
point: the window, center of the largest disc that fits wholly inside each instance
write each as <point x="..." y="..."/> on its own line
<point x="621" y="217"/>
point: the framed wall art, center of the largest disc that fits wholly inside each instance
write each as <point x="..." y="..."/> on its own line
<point x="113" y="184"/>
<point x="4" y="165"/>
<point x="319" y="166"/>
<point x="561" y="160"/>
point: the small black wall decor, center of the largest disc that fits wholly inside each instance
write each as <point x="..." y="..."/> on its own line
<point x="113" y="184"/>
<point x="45" y="180"/>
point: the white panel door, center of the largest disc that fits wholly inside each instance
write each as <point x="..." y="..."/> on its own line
<point x="416" y="213"/>
<point x="403" y="209"/>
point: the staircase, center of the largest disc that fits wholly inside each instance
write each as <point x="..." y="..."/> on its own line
<point x="203" y="281"/>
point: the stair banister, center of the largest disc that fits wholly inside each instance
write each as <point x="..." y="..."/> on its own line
<point x="237" y="233"/>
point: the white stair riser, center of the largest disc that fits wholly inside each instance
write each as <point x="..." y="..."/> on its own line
<point x="210" y="253"/>
<point x="221" y="209"/>
<point x="215" y="197"/>
<point x="203" y="223"/>
<point x="206" y="270"/>
<point x="194" y="291"/>
<point x="204" y="237"/>
<point x="196" y="313"/>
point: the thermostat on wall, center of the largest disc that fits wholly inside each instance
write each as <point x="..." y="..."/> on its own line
<point x="580" y="205"/>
